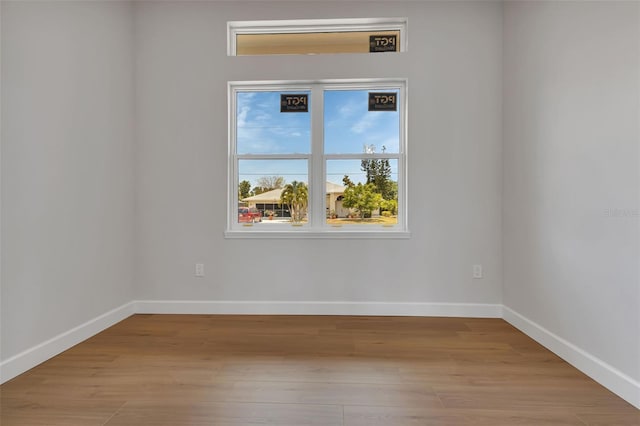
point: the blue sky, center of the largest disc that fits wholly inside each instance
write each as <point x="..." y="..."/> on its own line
<point x="263" y="129"/>
<point x="348" y="128"/>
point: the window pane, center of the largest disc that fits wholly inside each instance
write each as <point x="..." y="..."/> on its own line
<point x="362" y="191"/>
<point x="261" y="184"/>
<point x="315" y="42"/>
<point x="262" y="129"/>
<point x="350" y="128"/>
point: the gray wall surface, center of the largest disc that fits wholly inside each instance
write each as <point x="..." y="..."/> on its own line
<point x="454" y="173"/>
<point x="571" y="173"/>
<point x="67" y="166"/>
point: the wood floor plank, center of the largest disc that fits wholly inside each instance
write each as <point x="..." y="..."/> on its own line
<point x="226" y="414"/>
<point x="316" y="370"/>
<point x="386" y="416"/>
<point x="235" y="370"/>
<point x="621" y="418"/>
<point x="57" y="412"/>
<point x="328" y="393"/>
<point x="551" y="396"/>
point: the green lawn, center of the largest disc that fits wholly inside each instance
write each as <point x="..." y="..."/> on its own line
<point x="381" y="220"/>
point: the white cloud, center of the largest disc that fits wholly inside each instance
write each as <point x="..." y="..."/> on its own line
<point x="242" y="116"/>
<point x="348" y="109"/>
<point x="365" y="123"/>
<point x="262" y="116"/>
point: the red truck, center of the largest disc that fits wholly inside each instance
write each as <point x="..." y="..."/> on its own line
<point x="249" y="214"/>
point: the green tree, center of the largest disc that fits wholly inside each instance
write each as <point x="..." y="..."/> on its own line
<point x="362" y="198"/>
<point x="370" y="169"/>
<point x="378" y="172"/>
<point x="390" y="205"/>
<point x="296" y="196"/>
<point x="244" y="189"/>
<point x="391" y="191"/>
<point x="383" y="181"/>
<point x="258" y="190"/>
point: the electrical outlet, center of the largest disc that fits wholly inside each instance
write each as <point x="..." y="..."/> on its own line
<point x="477" y="271"/>
<point x="199" y="270"/>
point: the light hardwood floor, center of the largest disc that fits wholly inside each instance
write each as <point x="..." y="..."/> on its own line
<point x="179" y="370"/>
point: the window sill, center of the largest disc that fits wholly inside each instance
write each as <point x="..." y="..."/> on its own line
<point x="329" y="234"/>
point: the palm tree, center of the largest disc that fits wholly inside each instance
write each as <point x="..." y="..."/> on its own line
<point x="296" y="196"/>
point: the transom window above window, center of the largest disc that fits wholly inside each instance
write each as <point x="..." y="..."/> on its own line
<point x="317" y="159"/>
<point x="317" y="36"/>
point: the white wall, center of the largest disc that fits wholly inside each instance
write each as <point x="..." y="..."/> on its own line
<point x="571" y="174"/>
<point x="67" y="166"/>
<point x="454" y="71"/>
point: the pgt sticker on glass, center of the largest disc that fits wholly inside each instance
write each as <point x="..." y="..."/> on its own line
<point x="381" y="101"/>
<point x="294" y="103"/>
<point x="383" y="43"/>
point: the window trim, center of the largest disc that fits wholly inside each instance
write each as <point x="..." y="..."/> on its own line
<point x="317" y="226"/>
<point x="291" y="26"/>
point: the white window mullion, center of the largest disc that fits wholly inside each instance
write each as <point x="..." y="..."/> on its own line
<point x="232" y="164"/>
<point x="403" y="204"/>
<point x="274" y="156"/>
<point x="362" y="156"/>
<point x="316" y="166"/>
<point x="233" y="191"/>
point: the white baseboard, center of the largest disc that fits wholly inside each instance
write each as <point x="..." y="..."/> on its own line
<point x="471" y="310"/>
<point x="614" y="380"/>
<point x="30" y="358"/>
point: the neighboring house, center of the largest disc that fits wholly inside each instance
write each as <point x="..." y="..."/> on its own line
<point x="270" y="200"/>
<point x="334" y="200"/>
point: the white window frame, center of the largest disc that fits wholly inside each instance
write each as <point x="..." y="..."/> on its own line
<point x="317" y="226"/>
<point x="293" y="26"/>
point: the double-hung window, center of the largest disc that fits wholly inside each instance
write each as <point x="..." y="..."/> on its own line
<point x="317" y="159"/>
